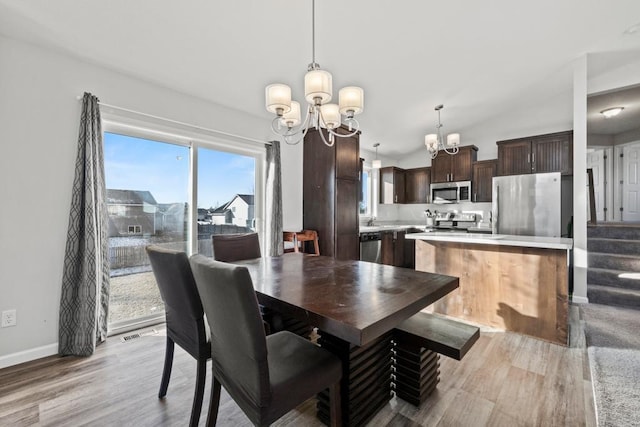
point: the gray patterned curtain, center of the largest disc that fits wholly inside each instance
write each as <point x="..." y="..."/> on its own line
<point x="274" y="245"/>
<point x="85" y="282"/>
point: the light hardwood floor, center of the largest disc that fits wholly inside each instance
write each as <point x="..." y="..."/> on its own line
<point x="505" y="380"/>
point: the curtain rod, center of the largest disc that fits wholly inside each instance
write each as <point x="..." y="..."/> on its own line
<point x="215" y="131"/>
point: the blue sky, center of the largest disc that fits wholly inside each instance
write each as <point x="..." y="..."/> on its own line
<point x="163" y="169"/>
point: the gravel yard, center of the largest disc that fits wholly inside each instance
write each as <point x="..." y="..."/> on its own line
<point x="134" y="295"/>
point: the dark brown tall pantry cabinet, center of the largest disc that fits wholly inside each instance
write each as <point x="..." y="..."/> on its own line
<point x="331" y="192"/>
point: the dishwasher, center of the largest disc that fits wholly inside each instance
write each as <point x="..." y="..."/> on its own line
<point x="370" y="245"/>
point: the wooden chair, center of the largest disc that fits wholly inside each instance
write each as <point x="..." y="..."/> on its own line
<point x="300" y="237"/>
<point x="264" y="387"/>
<point x="184" y="316"/>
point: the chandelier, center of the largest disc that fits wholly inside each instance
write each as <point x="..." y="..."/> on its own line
<point x="320" y="113"/>
<point x="435" y="142"/>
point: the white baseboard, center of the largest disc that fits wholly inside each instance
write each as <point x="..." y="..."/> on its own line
<point x="579" y="300"/>
<point x="28" y="355"/>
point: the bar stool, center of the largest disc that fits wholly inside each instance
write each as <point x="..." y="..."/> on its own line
<point x="298" y="237"/>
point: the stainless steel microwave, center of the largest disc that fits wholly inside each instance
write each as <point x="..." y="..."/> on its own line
<point x="451" y="192"/>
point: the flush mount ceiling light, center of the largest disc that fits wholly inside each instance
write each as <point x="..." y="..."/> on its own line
<point x="610" y="112"/>
<point x="434" y="141"/>
<point x="376" y="164"/>
<point x="317" y="92"/>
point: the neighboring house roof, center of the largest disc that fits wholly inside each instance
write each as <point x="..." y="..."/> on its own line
<point x="220" y="210"/>
<point x="248" y="198"/>
<point x="130" y="197"/>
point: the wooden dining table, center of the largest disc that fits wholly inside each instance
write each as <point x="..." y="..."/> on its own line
<point x="355" y="305"/>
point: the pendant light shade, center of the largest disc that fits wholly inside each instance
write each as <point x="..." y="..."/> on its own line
<point x="376" y="164"/>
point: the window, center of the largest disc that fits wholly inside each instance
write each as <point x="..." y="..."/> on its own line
<point x="150" y="178"/>
<point x="366" y="199"/>
<point x="135" y="229"/>
<point x="227" y="183"/>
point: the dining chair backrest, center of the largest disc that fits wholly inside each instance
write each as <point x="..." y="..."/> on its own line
<point x="183" y="309"/>
<point x="236" y="247"/>
<point x="238" y="341"/>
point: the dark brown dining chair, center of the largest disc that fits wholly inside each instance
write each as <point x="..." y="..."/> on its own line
<point x="267" y="376"/>
<point x="235" y="247"/>
<point x="184" y="316"/>
<point x="242" y="246"/>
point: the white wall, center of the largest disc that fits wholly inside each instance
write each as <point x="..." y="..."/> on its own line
<point x="39" y="120"/>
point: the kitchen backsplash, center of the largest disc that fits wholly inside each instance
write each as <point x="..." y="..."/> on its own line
<point x="414" y="213"/>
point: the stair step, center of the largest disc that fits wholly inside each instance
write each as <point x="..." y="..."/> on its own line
<point x="626" y="232"/>
<point x="610" y="261"/>
<point x="613" y="246"/>
<point x="606" y="277"/>
<point x="613" y="296"/>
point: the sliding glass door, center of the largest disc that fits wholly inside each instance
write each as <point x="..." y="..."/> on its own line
<point x="148" y="203"/>
<point x="151" y="186"/>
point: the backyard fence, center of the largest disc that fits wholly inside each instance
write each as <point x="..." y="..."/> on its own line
<point x="134" y="255"/>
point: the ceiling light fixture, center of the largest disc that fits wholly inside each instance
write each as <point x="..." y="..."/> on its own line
<point x="317" y="91"/>
<point x="434" y="141"/>
<point x="610" y="112"/>
<point x="376" y="164"/>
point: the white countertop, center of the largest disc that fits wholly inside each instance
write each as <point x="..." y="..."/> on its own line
<point x="496" y="239"/>
<point x="388" y="227"/>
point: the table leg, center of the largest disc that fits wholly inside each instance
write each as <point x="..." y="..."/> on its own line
<point x="366" y="378"/>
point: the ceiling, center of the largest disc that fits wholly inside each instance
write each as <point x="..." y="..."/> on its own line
<point x="627" y="120"/>
<point x="479" y="59"/>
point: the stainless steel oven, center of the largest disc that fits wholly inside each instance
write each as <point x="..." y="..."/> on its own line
<point x="370" y="245"/>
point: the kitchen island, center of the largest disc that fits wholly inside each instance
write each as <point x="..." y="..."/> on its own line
<point x="513" y="283"/>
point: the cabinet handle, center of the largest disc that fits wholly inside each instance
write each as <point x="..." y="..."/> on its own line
<point x="475" y="197"/>
<point x="533" y="157"/>
<point x="396" y="198"/>
<point x="528" y="158"/>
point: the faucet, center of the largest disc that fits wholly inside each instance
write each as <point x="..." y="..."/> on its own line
<point x="370" y="222"/>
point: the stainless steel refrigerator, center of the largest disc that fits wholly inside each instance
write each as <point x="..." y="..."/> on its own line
<point x="527" y="205"/>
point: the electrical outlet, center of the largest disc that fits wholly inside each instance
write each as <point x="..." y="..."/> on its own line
<point x="8" y="318"/>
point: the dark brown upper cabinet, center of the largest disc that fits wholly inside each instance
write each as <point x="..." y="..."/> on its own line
<point x="448" y="168"/>
<point x="392" y="185"/>
<point x="417" y="183"/>
<point x="482" y="186"/>
<point x="536" y="154"/>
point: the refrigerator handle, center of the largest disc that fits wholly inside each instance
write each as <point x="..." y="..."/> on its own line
<point x="496" y="214"/>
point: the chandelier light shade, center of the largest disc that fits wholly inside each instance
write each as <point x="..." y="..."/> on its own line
<point x="435" y="142"/>
<point x="318" y="87"/>
<point x="278" y="98"/>
<point x="318" y="92"/>
<point x="351" y="100"/>
<point x="292" y="118"/>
